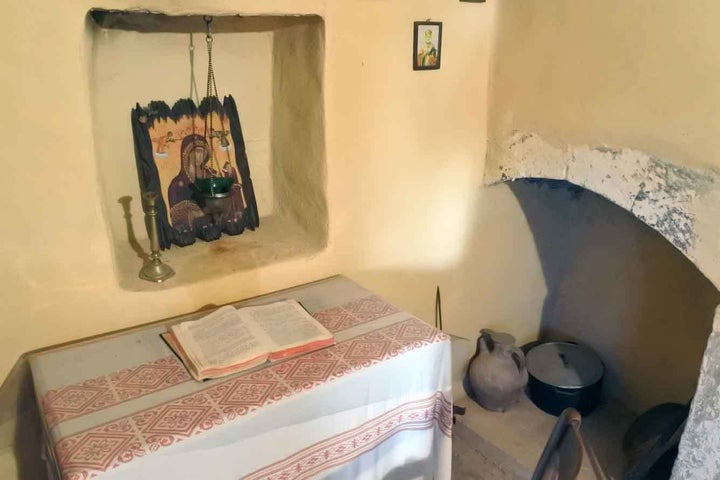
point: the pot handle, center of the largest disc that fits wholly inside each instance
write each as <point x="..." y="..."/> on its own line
<point x="519" y="358"/>
<point x="574" y="393"/>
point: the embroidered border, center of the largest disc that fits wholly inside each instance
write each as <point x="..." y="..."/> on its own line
<point x="354" y="313"/>
<point x="108" y="446"/>
<point x="345" y="447"/>
<point x="106" y="391"/>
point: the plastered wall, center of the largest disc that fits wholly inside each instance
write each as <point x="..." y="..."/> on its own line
<point x="404" y="164"/>
<point x="619" y="97"/>
<point x="627" y="87"/>
<point x="638" y="75"/>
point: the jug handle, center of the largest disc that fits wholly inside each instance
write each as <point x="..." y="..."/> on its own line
<point x="485" y="342"/>
<point x="519" y="358"/>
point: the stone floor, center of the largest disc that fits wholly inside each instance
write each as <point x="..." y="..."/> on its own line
<point x="507" y="445"/>
<point x="470" y="460"/>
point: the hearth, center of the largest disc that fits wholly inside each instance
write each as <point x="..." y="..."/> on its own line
<point x="621" y="288"/>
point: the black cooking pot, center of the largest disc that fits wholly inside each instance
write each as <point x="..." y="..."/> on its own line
<point x="563" y="375"/>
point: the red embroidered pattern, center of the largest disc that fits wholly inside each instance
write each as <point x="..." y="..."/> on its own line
<point x="342" y="448"/>
<point x="88" y="453"/>
<point x="354" y="313"/>
<point x="109" y="390"/>
<point x="102" y="392"/>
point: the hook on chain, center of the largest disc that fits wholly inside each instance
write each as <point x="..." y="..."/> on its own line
<point x="208" y="34"/>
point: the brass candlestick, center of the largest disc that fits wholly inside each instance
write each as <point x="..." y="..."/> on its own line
<point x="154" y="270"/>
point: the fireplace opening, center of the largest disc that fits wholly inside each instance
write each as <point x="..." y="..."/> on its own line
<point x="616" y="285"/>
<point x="273" y="67"/>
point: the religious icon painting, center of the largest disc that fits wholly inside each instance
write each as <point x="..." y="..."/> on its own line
<point x="194" y="158"/>
<point x="427" y="45"/>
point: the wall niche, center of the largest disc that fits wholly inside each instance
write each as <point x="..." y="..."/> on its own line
<point x="273" y="67"/>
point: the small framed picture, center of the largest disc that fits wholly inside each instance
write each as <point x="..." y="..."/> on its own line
<point x="427" y="45"/>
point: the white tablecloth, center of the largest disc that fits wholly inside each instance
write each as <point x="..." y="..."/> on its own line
<point x="377" y="405"/>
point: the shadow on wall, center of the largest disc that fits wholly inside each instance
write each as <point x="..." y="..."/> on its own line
<point x="617" y="285"/>
<point x="496" y="281"/>
<point x="18" y="401"/>
<point x="125" y="201"/>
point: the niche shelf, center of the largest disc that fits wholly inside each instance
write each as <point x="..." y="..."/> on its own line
<point x="273" y="66"/>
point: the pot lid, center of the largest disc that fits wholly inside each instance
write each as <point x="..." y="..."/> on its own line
<point x="564" y="365"/>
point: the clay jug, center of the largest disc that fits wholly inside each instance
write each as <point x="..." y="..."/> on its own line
<point x="497" y="373"/>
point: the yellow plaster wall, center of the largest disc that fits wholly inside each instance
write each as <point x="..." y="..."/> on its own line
<point x="404" y="162"/>
<point x="631" y="74"/>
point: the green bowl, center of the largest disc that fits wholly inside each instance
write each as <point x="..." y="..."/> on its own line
<point x="214" y="185"/>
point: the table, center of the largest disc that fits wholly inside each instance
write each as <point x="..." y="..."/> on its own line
<point x="375" y="405"/>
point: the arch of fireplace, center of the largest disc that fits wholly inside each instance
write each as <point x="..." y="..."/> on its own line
<point x="681" y="203"/>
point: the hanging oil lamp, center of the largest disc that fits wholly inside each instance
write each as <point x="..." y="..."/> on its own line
<point x="216" y="185"/>
<point x="216" y="188"/>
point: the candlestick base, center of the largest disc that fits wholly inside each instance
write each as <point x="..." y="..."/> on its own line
<point x="156" y="271"/>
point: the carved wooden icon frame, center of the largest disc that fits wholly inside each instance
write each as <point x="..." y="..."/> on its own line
<point x="173" y="148"/>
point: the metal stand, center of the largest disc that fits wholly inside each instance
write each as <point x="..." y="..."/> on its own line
<point x="154" y="270"/>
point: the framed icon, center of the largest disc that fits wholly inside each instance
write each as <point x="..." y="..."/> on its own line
<point x="174" y="154"/>
<point x="427" y="45"/>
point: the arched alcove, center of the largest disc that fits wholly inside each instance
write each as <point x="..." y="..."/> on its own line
<point x="682" y="204"/>
<point x="619" y="286"/>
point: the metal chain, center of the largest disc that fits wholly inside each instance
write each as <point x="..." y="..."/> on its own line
<point x="211" y="86"/>
<point x="208" y="92"/>
<point x="211" y="90"/>
<point x="193" y="82"/>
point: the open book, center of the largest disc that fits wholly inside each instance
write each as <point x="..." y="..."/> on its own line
<point x="230" y="340"/>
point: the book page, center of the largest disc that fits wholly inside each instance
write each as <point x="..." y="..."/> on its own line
<point x="287" y="324"/>
<point x="221" y="339"/>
